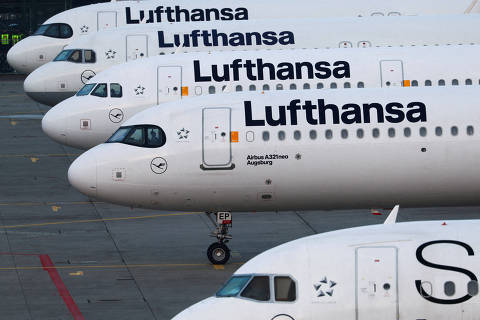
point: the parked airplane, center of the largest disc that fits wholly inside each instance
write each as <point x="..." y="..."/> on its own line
<point x="292" y="150"/>
<point x="113" y="96"/>
<point x="81" y="60"/>
<point x="63" y="28"/>
<point x="412" y="270"/>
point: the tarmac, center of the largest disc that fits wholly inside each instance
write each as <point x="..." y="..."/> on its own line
<point x="65" y="256"/>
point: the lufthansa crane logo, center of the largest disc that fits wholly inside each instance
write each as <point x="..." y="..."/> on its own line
<point x="158" y="165"/>
<point x="116" y="115"/>
<point x="87" y="75"/>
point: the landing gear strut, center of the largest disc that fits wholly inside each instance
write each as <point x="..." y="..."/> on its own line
<point x="218" y="252"/>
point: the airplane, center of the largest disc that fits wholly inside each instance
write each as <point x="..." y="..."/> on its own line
<point x="95" y="113"/>
<point x="291" y="150"/>
<point x="86" y="57"/>
<point x="63" y="28"/>
<point x="408" y="270"/>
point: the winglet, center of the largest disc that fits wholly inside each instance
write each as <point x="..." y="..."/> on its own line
<point x="392" y="216"/>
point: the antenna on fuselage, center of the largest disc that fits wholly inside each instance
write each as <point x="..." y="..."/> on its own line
<point x="471" y="6"/>
<point x="392" y="216"/>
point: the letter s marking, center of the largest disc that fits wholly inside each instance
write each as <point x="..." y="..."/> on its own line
<point x="418" y="283"/>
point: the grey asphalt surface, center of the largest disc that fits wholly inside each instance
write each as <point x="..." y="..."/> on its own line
<point x="112" y="262"/>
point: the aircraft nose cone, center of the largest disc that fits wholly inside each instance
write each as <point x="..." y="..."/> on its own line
<point x="54" y="125"/>
<point x="82" y="174"/>
<point x="17" y="59"/>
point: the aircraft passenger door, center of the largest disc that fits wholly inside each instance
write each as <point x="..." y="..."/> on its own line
<point x="376" y="283"/>
<point x="391" y="73"/>
<point x="169" y="84"/>
<point x="217" y="151"/>
<point x="106" y="20"/>
<point x="137" y="47"/>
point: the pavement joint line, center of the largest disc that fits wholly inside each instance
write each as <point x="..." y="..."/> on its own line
<point x="121" y="266"/>
<point x="38" y="203"/>
<point x="51" y="155"/>
<point x="12" y="95"/>
<point x="98" y="220"/>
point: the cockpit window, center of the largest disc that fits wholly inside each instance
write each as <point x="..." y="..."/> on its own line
<point x="285" y="289"/>
<point x="233" y="286"/>
<point x="258" y="289"/>
<point x="86" y="89"/>
<point x="115" y="90"/>
<point x="148" y="136"/>
<point x="63" y="56"/>
<point x="89" y="56"/>
<point x="100" y="90"/>
<point x="75" y="56"/>
<point x="55" y="30"/>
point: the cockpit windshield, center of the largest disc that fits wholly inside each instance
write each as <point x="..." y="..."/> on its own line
<point x="147" y="136"/>
<point x="77" y="56"/>
<point x="233" y="286"/>
<point x="55" y="30"/>
<point x="86" y="89"/>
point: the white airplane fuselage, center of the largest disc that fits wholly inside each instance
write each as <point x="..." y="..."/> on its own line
<point x="59" y="79"/>
<point x="414" y="270"/>
<point x="294" y="150"/>
<point x="34" y="51"/>
<point x="161" y="79"/>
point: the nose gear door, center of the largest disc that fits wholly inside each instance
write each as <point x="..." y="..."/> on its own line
<point x="376" y="283"/>
<point x="392" y="73"/>
<point x="216" y="144"/>
<point x="106" y="20"/>
<point x="169" y="84"/>
<point x="137" y="47"/>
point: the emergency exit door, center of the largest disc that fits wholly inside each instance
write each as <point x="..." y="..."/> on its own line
<point x="106" y="20"/>
<point x="217" y="153"/>
<point x="169" y="84"/>
<point x="376" y="283"/>
<point x="391" y="73"/>
<point x="137" y="47"/>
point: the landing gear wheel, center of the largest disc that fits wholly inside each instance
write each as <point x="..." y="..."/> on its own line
<point x="218" y="253"/>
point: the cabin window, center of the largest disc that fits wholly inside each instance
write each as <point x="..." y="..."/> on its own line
<point x="468" y="82"/>
<point x="441" y="82"/>
<point x="258" y="289"/>
<point x="100" y="90"/>
<point x="360" y="133"/>
<point x="297" y="135"/>
<point x="344" y="133"/>
<point x="319" y="85"/>
<point x="285" y="289"/>
<point x="238" y="88"/>
<point x="470" y="130"/>
<point x="89" y="56"/>
<point x="391" y="132"/>
<point x="266" y="135"/>
<point x="427" y="288"/>
<point x="454" y="131"/>
<point x="266" y="87"/>
<point x="333" y="85"/>
<point x="438" y="131"/>
<point x="252" y="87"/>
<point x="250" y="136"/>
<point x="455" y="82"/>
<point x="148" y="136"/>
<point x="306" y="86"/>
<point x="472" y="288"/>
<point x="293" y="86"/>
<point x="281" y="135"/>
<point x="211" y="89"/>
<point x="346" y="85"/>
<point x="85" y="91"/>
<point x="279" y="86"/>
<point x="115" y="90"/>
<point x="423" y="131"/>
<point x="428" y="83"/>
<point x="449" y="288"/>
<point x="313" y="134"/>
<point x="328" y="134"/>
<point x="407" y="132"/>
<point x="360" y="85"/>
<point x="233" y="286"/>
<point x="376" y="133"/>
<point x="198" y="90"/>
<point x="414" y="83"/>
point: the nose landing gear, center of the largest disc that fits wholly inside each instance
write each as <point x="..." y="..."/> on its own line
<point x="218" y="252"/>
